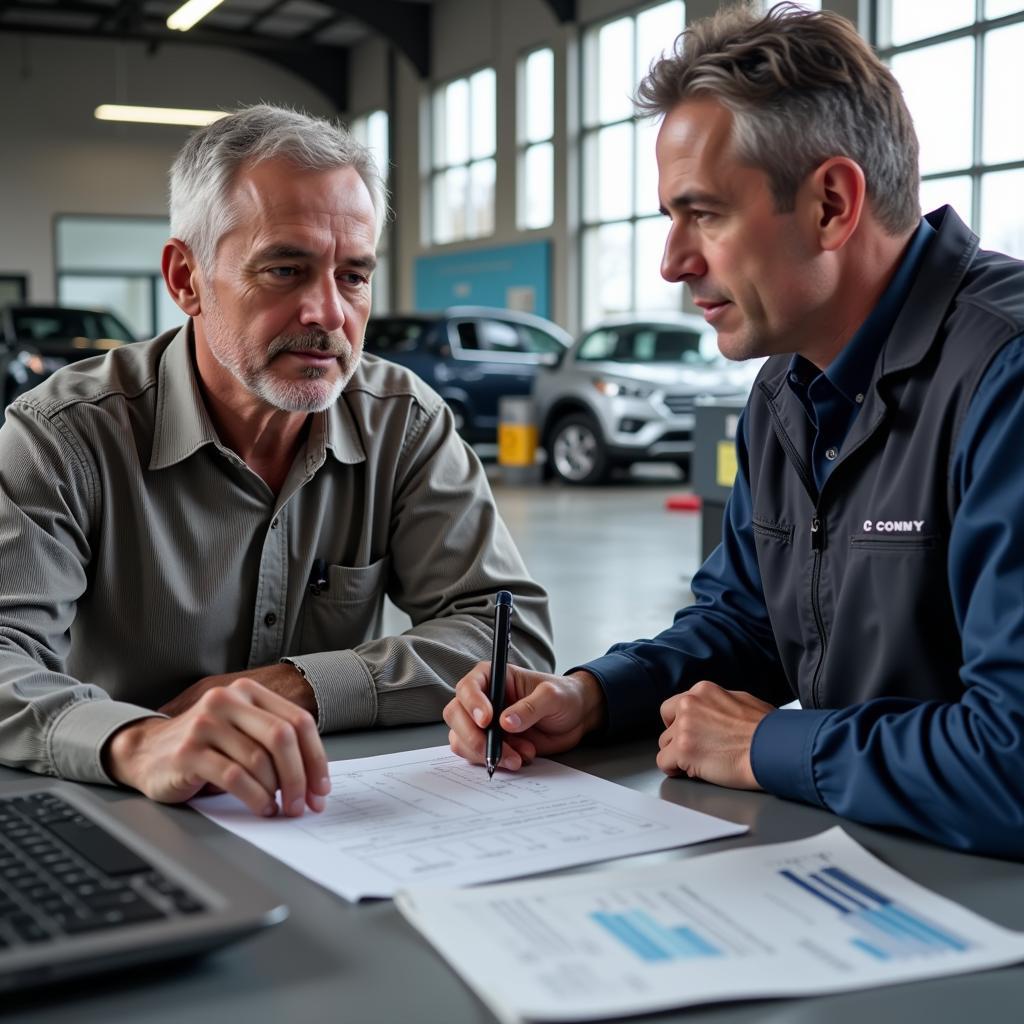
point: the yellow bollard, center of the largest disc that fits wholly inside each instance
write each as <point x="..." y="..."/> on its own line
<point x="517" y="440"/>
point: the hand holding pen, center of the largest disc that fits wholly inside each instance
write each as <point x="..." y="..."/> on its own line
<point x="499" y="666"/>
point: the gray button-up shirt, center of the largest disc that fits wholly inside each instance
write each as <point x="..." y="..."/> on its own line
<point x="138" y="554"/>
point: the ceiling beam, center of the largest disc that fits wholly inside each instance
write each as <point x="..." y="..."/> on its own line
<point x="324" y="67"/>
<point x="564" y="10"/>
<point x="406" y="25"/>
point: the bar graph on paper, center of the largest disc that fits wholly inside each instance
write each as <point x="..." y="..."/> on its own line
<point x="886" y="930"/>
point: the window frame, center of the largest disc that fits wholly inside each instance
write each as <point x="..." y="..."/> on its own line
<point x="524" y="144"/>
<point x="589" y="37"/>
<point x="977" y="31"/>
<point x="437" y="165"/>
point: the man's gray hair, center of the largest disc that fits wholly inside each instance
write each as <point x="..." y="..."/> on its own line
<point x="204" y="170"/>
<point x="802" y="87"/>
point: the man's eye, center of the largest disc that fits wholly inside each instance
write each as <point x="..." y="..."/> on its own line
<point x="282" y="271"/>
<point x="352" y="278"/>
<point x="701" y="215"/>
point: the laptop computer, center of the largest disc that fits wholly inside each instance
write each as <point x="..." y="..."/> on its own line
<point x="88" y="885"/>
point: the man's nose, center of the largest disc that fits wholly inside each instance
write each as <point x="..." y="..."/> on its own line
<point x="682" y="258"/>
<point x="322" y="305"/>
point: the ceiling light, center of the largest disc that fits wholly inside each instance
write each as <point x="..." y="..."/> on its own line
<point x="189" y="13"/>
<point x="156" y="115"/>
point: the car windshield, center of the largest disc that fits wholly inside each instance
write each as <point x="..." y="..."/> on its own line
<point x="635" y="344"/>
<point x="53" y="322"/>
<point x="394" y="334"/>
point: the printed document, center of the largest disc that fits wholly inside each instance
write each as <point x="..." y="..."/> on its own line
<point x="428" y="816"/>
<point x="802" y="918"/>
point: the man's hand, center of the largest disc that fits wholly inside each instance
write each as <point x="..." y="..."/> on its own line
<point x="708" y="734"/>
<point x="283" y="679"/>
<point x="241" y="738"/>
<point x="545" y="714"/>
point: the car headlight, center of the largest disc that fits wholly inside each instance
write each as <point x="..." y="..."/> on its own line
<point x="621" y="388"/>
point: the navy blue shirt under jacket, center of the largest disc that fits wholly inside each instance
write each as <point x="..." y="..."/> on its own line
<point x="823" y="756"/>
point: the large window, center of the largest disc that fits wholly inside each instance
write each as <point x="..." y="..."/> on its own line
<point x="462" y="158"/>
<point x="114" y="262"/>
<point x="535" y="201"/>
<point x="372" y="131"/>
<point x="623" y="234"/>
<point x="959" y="64"/>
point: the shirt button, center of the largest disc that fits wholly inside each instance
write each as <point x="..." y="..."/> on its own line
<point x="273" y="525"/>
<point x="269" y="619"/>
<point x="858" y="398"/>
<point x="794" y="379"/>
<point x="831" y="454"/>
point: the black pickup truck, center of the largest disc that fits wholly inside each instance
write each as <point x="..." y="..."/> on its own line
<point x="36" y="340"/>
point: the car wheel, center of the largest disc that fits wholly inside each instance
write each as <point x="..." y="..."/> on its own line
<point x="576" y="450"/>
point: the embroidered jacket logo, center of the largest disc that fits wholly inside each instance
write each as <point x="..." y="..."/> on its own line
<point x="893" y="525"/>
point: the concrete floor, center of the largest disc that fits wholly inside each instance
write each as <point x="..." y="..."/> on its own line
<point x="616" y="563"/>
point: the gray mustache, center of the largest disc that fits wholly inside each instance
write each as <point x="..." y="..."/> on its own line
<point x="312" y="341"/>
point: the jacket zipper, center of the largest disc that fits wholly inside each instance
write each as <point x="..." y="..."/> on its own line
<point x="818" y="540"/>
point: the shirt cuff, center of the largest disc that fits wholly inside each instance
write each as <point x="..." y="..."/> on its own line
<point x="629" y="696"/>
<point x="78" y="735"/>
<point x="781" y="754"/>
<point x="346" y="696"/>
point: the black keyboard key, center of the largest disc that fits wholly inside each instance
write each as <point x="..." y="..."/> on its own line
<point x="98" y="847"/>
<point x="28" y="929"/>
<point x="113" y="919"/>
<point x="186" y="904"/>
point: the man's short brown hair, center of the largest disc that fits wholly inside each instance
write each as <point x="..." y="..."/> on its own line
<point x="802" y="87"/>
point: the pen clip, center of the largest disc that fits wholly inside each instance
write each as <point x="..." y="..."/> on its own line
<point x="318" y="582"/>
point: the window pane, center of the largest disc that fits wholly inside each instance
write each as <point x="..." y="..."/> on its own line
<point x="651" y="289"/>
<point x="646" y="168"/>
<point x="456" y="122"/>
<point x="911" y="19"/>
<point x="482" y="106"/>
<point x="1002" y="214"/>
<point x="481" y="199"/>
<point x="450" y="204"/>
<point x="537" y="187"/>
<point x="955" y="192"/>
<point x="377" y="140"/>
<point x="616" y="79"/>
<point x="997" y="8"/>
<point x="938" y="84"/>
<point x="129" y="298"/>
<point x="607" y="270"/>
<point x="110" y="243"/>
<point x="538" y="115"/>
<point x="536" y="340"/>
<point x="437" y="123"/>
<point x="656" y="31"/>
<point x="1003" y="128"/>
<point x="609" y="178"/>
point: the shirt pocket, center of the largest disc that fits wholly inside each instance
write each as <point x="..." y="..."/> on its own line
<point x="348" y="612"/>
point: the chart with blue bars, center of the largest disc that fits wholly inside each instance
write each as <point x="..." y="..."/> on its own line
<point x="642" y="935"/>
<point x="885" y="930"/>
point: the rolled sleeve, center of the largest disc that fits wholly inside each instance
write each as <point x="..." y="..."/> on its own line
<point x="78" y="735"/>
<point x="343" y="687"/>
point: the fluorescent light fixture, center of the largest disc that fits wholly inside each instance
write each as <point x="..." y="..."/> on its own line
<point x="189" y="13"/>
<point x="156" y="115"/>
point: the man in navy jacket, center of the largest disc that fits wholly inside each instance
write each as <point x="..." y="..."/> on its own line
<point x="872" y="558"/>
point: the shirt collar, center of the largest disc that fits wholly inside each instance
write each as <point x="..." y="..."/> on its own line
<point x="183" y="425"/>
<point x="850" y="373"/>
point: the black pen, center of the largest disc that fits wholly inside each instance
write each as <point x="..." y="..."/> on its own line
<point x="499" y="666"/>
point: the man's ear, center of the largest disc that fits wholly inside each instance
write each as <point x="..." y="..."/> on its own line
<point x="181" y="275"/>
<point x="837" y="192"/>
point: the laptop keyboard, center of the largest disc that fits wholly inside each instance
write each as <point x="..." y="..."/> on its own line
<point x="63" y="874"/>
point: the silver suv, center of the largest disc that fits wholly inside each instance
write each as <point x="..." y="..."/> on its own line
<point x="625" y="392"/>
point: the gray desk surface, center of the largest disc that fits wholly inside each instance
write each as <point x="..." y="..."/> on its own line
<point x="335" y="961"/>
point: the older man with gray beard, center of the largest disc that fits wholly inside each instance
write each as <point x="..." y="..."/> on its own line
<point x="197" y="533"/>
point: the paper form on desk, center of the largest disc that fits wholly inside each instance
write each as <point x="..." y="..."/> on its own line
<point x="802" y="918"/>
<point x="428" y="816"/>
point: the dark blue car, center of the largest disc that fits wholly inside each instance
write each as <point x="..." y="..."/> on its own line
<point x="470" y="355"/>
